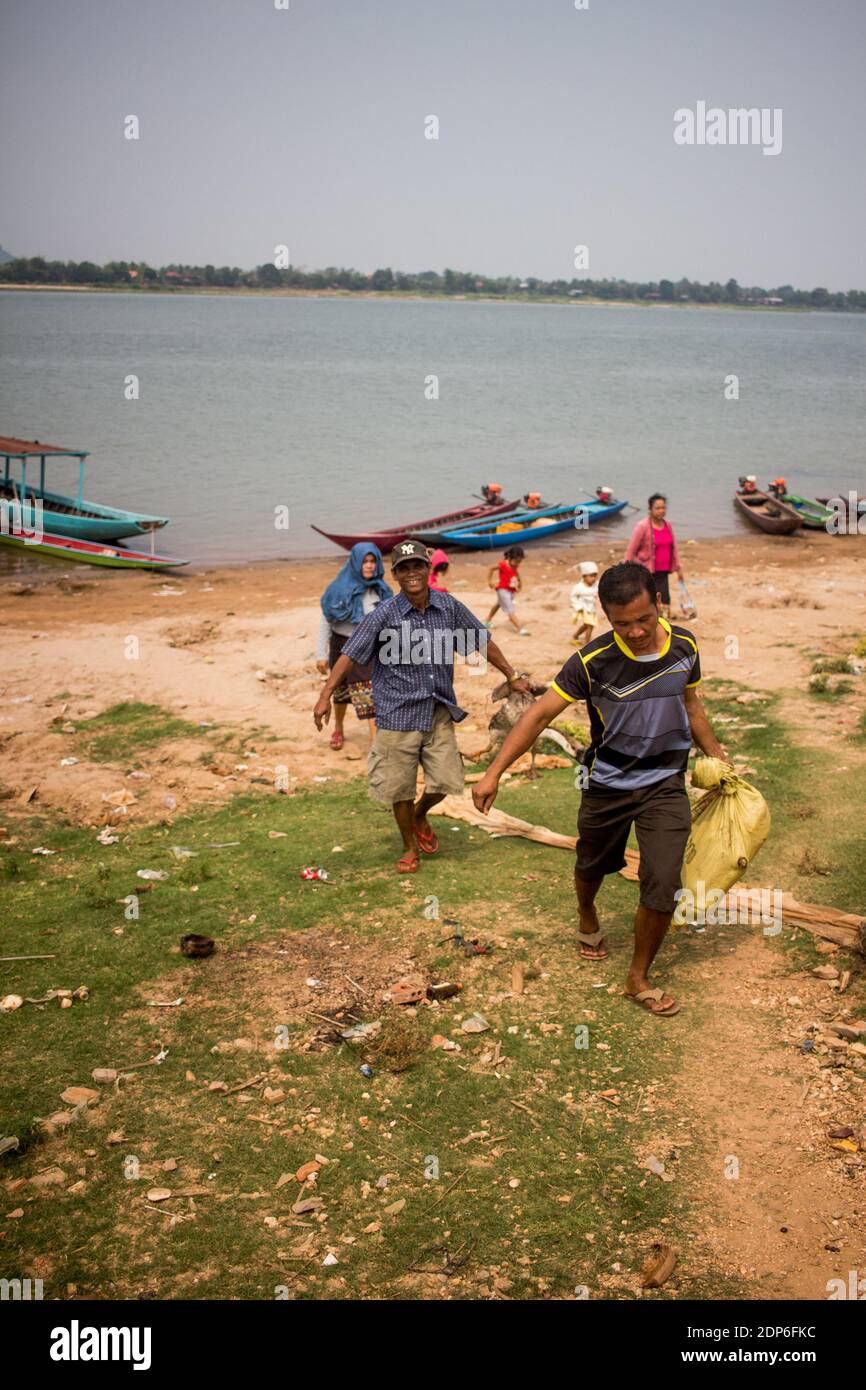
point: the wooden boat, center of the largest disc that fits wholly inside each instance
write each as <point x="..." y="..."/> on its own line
<point x="387" y="538"/>
<point x="768" y="513"/>
<point x="814" y="514"/>
<point x="445" y="535"/>
<point x="842" y="497"/>
<point x="86" y="552"/>
<point x="533" y="526"/>
<point x="61" y="515"/>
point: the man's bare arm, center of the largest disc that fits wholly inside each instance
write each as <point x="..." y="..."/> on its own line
<point x="322" y="709"/>
<point x="701" y="729"/>
<point x="497" y="658"/>
<point x="521" y="737"/>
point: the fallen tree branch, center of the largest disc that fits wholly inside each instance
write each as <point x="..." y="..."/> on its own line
<point x="845" y="928"/>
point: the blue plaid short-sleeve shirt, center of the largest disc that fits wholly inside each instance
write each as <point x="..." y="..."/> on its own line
<point x="412" y="655"/>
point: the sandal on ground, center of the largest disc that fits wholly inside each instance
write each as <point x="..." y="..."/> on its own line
<point x="427" y="843"/>
<point x="593" y="939"/>
<point x="337" y="740"/>
<point x="408" y="863"/>
<point x="647" y="998"/>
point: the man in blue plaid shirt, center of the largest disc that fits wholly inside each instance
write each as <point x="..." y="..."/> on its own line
<point x="410" y="641"/>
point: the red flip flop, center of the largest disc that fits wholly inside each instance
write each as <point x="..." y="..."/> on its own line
<point x="428" y="844"/>
<point x="407" y="863"/>
<point x="337" y="740"/>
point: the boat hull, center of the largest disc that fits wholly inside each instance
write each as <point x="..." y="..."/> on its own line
<point x="491" y="539"/>
<point x="768" y="513"/>
<point x="390" y="536"/>
<point x="88" y="552"/>
<point x="61" y="516"/>
<point x="813" y="513"/>
<point x="447" y="534"/>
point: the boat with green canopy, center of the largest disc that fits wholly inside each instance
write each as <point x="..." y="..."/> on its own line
<point x="74" y="517"/>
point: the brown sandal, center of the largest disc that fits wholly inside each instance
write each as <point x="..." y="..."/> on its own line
<point x="592" y="939"/>
<point x="647" y="997"/>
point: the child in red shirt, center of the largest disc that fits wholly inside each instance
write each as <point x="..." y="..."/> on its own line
<point x="506" y="581"/>
<point x="439" y="563"/>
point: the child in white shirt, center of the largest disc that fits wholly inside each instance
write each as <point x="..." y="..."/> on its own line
<point x="583" y="602"/>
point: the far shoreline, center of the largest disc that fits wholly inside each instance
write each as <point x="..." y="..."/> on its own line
<point x="247" y="292"/>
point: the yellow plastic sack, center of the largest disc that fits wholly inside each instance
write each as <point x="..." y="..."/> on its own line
<point x="729" y="825"/>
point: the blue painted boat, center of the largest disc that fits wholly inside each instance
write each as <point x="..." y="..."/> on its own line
<point x="74" y="517"/>
<point x="448" y="533"/>
<point x="533" y="526"/>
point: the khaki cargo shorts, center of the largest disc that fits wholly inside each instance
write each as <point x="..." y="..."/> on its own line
<point x="392" y="765"/>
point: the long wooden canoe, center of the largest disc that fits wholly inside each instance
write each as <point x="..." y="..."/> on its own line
<point x="87" y="552"/>
<point x="768" y="513"/>
<point x="388" y="536"/>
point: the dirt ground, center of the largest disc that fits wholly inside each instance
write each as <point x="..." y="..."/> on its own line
<point x="235" y="648"/>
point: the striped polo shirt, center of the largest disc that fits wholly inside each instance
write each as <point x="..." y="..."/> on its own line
<point x="637" y="714"/>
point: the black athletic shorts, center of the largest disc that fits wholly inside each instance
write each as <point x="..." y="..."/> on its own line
<point x="662" y="819"/>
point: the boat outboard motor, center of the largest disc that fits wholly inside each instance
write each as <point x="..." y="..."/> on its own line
<point x="492" y="492"/>
<point x="604" y="494"/>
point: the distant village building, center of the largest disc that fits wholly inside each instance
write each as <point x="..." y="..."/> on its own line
<point x="772" y="299"/>
<point x="524" y="285"/>
<point x="575" y="293"/>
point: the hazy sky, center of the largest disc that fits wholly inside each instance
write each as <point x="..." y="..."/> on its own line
<point x="260" y="126"/>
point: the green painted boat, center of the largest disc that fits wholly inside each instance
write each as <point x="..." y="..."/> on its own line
<point x="813" y="515"/>
<point x="85" y="552"/>
<point x="62" y="515"/>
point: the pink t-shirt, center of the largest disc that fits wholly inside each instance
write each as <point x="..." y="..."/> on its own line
<point x="663" y="540"/>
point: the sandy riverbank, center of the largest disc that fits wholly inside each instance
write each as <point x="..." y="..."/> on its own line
<point x="234" y="648"/>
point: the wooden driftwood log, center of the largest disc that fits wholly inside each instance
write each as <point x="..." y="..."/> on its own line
<point x="847" y="929"/>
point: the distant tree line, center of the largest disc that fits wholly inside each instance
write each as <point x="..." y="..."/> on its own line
<point x="35" y="270"/>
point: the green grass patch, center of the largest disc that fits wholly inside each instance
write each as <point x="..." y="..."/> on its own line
<point x="127" y="729"/>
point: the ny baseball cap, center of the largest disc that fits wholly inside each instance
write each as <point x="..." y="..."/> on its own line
<point x="409" y="550"/>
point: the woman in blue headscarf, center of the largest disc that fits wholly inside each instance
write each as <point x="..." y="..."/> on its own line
<point x="345" y="603"/>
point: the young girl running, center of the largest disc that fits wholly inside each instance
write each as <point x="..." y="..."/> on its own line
<point x="506" y="581"/>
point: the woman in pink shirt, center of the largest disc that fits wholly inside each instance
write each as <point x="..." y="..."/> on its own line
<point x="654" y="544"/>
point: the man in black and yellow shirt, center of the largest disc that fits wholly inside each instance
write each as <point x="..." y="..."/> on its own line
<point x="639" y="682"/>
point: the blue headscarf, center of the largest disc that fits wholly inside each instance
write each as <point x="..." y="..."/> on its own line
<point x="343" y="600"/>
